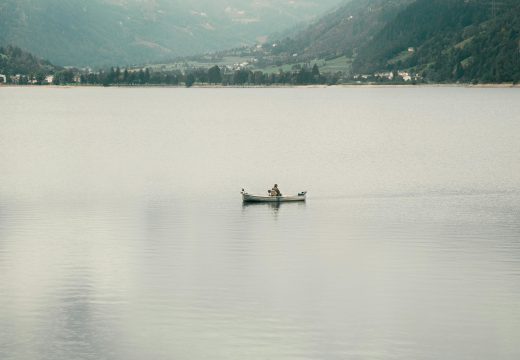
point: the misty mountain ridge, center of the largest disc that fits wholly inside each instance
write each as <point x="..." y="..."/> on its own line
<point x="436" y="40"/>
<point x="119" y="32"/>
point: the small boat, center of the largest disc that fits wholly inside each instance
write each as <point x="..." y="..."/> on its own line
<point x="269" y="198"/>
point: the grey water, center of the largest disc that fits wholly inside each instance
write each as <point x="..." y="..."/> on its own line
<point x="123" y="234"/>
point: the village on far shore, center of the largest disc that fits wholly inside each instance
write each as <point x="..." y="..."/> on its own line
<point x="241" y="66"/>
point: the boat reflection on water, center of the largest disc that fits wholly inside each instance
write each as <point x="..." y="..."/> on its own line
<point x="273" y="206"/>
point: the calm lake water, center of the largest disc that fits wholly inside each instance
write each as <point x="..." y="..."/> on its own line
<point x="123" y="235"/>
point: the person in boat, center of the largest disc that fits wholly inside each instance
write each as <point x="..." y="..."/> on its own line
<point x="275" y="191"/>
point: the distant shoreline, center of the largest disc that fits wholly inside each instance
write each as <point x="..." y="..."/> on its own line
<point x="206" y="86"/>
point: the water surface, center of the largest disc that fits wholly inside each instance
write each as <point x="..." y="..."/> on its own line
<point x="123" y="236"/>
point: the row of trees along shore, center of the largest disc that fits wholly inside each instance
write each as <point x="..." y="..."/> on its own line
<point x="305" y="75"/>
<point x="214" y="76"/>
<point x="22" y="68"/>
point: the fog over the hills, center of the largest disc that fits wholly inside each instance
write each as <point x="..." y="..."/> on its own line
<point x="103" y="32"/>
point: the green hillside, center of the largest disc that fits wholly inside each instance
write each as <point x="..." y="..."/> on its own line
<point x="341" y="31"/>
<point x="452" y="40"/>
<point x="14" y="60"/>
<point x="440" y="40"/>
<point x="437" y="41"/>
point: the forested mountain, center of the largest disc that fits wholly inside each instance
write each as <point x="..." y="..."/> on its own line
<point x="14" y="60"/>
<point x="373" y="40"/>
<point x="343" y="30"/>
<point x="114" y="32"/>
<point x="450" y="40"/>
<point x="442" y="40"/>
